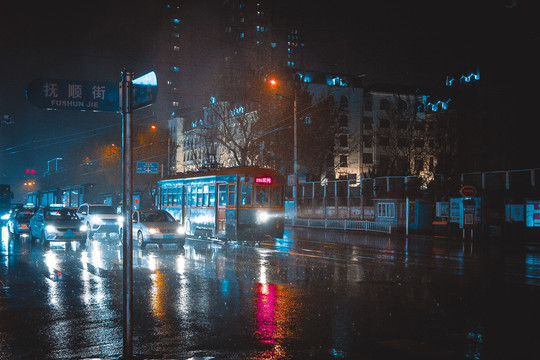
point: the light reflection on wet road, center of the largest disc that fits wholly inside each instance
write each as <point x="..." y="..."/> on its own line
<point x="323" y="295"/>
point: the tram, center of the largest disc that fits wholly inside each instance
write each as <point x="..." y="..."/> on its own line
<point x="238" y="203"/>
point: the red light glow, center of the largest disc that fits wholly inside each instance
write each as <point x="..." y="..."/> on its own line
<point x="267" y="180"/>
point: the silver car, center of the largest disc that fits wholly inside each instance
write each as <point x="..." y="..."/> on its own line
<point x="157" y="227"/>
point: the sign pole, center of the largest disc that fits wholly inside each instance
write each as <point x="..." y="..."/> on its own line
<point x="126" y="92"/>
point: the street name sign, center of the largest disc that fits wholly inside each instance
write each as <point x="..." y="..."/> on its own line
<point x="147" y="168"/>
<point x="59" y="94"/>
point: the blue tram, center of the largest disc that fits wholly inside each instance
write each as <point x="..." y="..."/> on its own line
<point x="239" y="203"/>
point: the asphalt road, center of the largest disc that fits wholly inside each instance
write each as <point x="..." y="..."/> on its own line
<point x="313" y="294"/>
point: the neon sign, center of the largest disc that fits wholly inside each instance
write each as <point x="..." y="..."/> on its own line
<point x="267" y="180"/>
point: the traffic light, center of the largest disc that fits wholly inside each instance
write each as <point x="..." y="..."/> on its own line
<point x="30" y="171"/>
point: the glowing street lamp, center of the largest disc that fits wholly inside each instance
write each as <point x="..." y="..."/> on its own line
<point x="274" y="84"/>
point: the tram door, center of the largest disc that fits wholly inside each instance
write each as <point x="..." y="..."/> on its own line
<point x="222" y="207"/>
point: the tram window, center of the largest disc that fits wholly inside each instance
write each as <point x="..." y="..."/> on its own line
<point x="193" y="197"/>
<point x="199" y="196"/>
<point x="261" y="195"/>
<point x="232" y="195"/>
<point x="222" y="195"/>
<point x="246" y="195"/>
<point x="276" y="196"/>
<point x="212" y="193"/>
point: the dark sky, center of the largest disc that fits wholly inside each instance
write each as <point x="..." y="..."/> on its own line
<point x="413" y="43"/>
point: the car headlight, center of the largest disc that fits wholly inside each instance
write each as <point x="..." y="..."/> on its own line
<point x="181" y="230"/>
<point x="153" y="231"/>
<point x="263" y="216"/>
<point x="50" y="228"/>
<point x="97" y="220"/>
<point x="83" y="228"/>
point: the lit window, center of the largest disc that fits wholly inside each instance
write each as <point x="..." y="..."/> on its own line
<point x="385" y="210"/>
<point x="176" y="48"/>
<point x="241" y="35"/>
<point x="176" y="21"/>
<point x="176" y="68"/>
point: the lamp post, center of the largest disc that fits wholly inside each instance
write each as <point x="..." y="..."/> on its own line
<point x="274" y="83"/>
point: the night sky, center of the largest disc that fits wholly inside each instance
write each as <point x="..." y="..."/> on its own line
<point x="414" y="43"/>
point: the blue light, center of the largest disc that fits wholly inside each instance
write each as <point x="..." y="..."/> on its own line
<point x="176" y="21"/>
<point x="212" y="100"/>
<point x="336" y="81"/>
<point x="439" y="105"/>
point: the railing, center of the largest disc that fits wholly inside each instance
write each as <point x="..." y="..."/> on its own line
<point x="383" y="227"/>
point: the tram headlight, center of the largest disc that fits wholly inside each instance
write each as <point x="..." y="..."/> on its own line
<point x="181" y="230"/>
<point x="263" y="216"/>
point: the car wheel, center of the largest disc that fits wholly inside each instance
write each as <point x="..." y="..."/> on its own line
<point x="44" y="241"/>
<point x="140" y="240"/>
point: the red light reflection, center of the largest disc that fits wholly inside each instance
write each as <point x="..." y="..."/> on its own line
<point x="266" y="313"/>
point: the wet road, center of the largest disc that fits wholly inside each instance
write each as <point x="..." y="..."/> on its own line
<point x="313" y="294"/>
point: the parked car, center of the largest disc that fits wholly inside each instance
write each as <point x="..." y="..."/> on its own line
<point x="157" y="227"/>
<point x="19" y="220"/>
<point x="57" y="224"/>
<point x="99" y="218"/>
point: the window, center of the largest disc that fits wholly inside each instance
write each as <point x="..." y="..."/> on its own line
<point x="262" y="196"/>
<point x="367" y="158"/>
<point x="343" y="141"/>
<point x="384" y="123"/>
<point x="276" y="196"/>
<point x="246" y="195"/>
<point x="343" y="160"/>
<point x="384" y="140"/>
<point x="368" y="123"/>
<point x="384" y="104"/>
<point x="343" y="120"/>
<point x="232" y="195"/>
<point x="419" y="143"/>
<point x="367" y="140"/>
<point x="222" y="195"/>
<point x="386" y="210"/>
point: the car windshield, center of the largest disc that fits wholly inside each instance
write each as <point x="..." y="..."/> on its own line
<point x="61" y="214"/>
<point x="156" y="216"/>
<point x="25" y="214"/>
<point x="107" y="210"/>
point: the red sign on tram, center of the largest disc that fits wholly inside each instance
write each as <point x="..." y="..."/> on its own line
<point x="267" y="180"/>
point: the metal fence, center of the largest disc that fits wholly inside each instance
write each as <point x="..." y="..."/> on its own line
<point x="341" y="224"/>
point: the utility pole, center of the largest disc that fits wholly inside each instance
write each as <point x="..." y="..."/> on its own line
<point x="126" y="92"/>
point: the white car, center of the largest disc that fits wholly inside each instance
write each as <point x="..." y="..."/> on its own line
<point x="99" y="218"/>
<point x="157" y="227"/>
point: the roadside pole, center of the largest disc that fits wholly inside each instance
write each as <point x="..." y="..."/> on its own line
<point x="126" y="94"/>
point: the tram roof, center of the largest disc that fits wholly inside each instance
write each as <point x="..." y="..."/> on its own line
<point x="237" y="170"/>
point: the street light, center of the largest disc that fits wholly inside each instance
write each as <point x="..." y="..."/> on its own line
<point x="274" y="83"/>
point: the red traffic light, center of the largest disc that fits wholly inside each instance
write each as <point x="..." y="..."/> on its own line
<point x="30" y="171"/>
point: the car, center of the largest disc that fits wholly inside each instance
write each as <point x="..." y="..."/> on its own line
<point x="18" y="222"/>
<point x="56" y="223"/>
<point x="157" y="227"/>
<point x="99" y="218"/>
